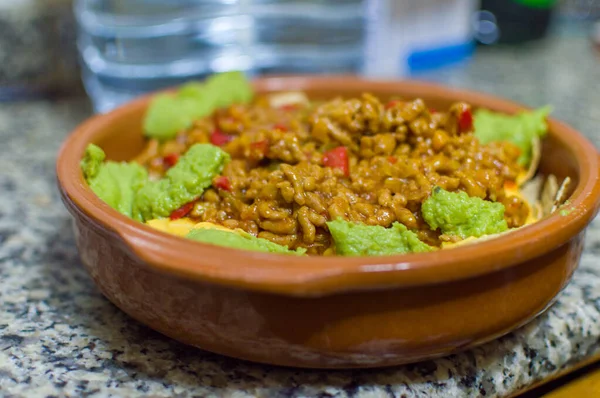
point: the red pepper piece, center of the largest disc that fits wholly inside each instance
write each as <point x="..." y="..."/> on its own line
<point x="337" y="158"/>
<point x="261" y="147"/>
<point x="171" y="159"/>
<point x="465" y="121"/>
<point x="182" y="211"/>
<point x="289" y="107"/>
<point x="392" y="159"/>
<point x="391" y="104"/>
<point x="432" y="110"/>
<point x="218" y="138"/>
<point x="223" y="183"/>
<point x="280" y="126"/>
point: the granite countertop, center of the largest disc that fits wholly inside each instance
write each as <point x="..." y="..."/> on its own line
<point x="60" y="337"/>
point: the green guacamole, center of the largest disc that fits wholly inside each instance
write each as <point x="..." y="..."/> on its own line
<point x="520" y="129"/>
<point x="92" y="161"/>
<point x="353" y="239"/>
<point x="242" y="241"/>
<point x="457" y="214"/>
<point x="182" y="183"/>
<point x="171" y="113"/>
<point x="228" y="88"/>
<point x="115" y="183"/>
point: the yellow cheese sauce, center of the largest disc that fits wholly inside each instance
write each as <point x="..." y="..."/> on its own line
<point x="183" y="226"/>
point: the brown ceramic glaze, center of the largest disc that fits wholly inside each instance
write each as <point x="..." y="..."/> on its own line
<point x="329" y="312"/>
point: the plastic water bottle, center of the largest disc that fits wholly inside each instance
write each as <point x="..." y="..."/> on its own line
<point x="406" y="38"/>
<point x="131" y="47"/>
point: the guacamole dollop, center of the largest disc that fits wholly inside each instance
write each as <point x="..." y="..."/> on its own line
<point x="170" y="113"/>
<point x="458" y="214"/>
<point x="352" y="239"/>
<point x="239" y="240"/>
<point x="92" y="161"/>
<point x="228" y="88"/>
<point x="116" y="183"/>
<point x="520" y="129"/>
<point x="182" y="183"/>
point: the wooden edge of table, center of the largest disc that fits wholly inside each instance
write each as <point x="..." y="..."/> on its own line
<point x="565" y="372"/>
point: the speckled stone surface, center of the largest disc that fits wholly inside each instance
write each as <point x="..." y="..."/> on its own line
<point x="60" y="337"/>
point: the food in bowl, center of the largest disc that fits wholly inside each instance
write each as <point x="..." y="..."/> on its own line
<point x="346" y="176"/>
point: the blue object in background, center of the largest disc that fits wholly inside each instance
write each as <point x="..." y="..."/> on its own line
<point x="428" y="59"/>
<point x="407" y="37"/>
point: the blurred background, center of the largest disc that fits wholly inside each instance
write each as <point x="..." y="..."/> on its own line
<point x="114" y="50"/>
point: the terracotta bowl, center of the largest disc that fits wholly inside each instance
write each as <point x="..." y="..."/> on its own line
<point x="329" y="312"/>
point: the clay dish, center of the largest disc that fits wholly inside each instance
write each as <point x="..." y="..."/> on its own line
<point x="335" y="312"/>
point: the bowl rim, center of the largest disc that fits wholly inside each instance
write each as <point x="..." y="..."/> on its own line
<point x="315" y="276"/>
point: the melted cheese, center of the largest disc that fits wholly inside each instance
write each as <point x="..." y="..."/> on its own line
<point x="183" y="226"/>
<point x="179" y="227"/>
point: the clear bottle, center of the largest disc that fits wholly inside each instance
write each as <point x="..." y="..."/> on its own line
<point x="406" y="38"/>
<point x="130" y="47"/>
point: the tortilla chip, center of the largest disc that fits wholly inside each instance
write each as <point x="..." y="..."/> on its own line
<point x="287" y="98"/>
<point x="472" y="239"/>
<point x="537" y="211"/>
<point x="531" y="189"/>
<point x="536" y="157"/>
<point x="561" y="194"/>
<point x="548" y="194"/>
<point x="530" y="192"/>
<point x="553" y="195"/>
